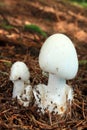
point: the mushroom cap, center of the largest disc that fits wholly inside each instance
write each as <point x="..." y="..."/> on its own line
<point x="19" y="70"/>
<point x="58" y="56"/>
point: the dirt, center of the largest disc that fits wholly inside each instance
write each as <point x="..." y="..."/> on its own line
<point x="52" y="16"/>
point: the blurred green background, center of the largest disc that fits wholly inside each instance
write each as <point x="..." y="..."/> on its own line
<point x="82" y="3"/>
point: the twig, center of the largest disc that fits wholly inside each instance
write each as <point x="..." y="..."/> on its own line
<point x="4" y="73"/>
<point x="83" y="109"/>
<point x="6" y="61"/>
<point x="79" y="123"/>
<point x="50" y="118"/>
<point x="77" y="105"/>
<point x="4" y="111"/>
<point x="43" y="125"/>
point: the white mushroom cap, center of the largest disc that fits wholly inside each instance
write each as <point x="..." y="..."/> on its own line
<point x="19" y="70"/>
<point x="58" y="56"/>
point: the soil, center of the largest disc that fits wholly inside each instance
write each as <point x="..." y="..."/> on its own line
<point x="52" y="16"/>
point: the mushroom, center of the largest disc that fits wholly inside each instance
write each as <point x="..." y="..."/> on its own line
<point x="58" y="57"/>
<point x="20" y="75"/>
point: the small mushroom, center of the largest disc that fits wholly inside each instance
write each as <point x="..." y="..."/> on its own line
<point x="58" y="57"/>
<point x="20" y="75"/>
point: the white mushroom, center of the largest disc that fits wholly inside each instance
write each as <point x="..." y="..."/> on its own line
<point x="20" y="75"/>
<point x="58" y="57"/>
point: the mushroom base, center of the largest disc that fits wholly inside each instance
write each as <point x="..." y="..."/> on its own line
<point x="53" y="103"/>
<point x="26" y="97"/>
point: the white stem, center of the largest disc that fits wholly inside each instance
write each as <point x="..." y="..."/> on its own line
<point x="55" y="84"/>
<point x="18" y="88"/>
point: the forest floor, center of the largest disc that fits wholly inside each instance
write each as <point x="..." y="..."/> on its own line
<point x="19" y="43"/>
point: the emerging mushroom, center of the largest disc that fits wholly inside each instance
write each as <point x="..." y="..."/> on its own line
<point x="58" y="57"/>
<point x="20" y="75"/>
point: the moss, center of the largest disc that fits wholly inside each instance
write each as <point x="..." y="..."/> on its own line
<point x="83" y="62"/>
<point x="2" y="4"/>
<point x="7" y="26"/>
<point x="82" y="3"/>
<point x="34" y="28"/>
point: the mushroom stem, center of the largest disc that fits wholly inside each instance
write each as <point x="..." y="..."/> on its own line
<point x="55" y="84"/>
<point x="62" y="93"/>
<point x="18" y="88"/>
